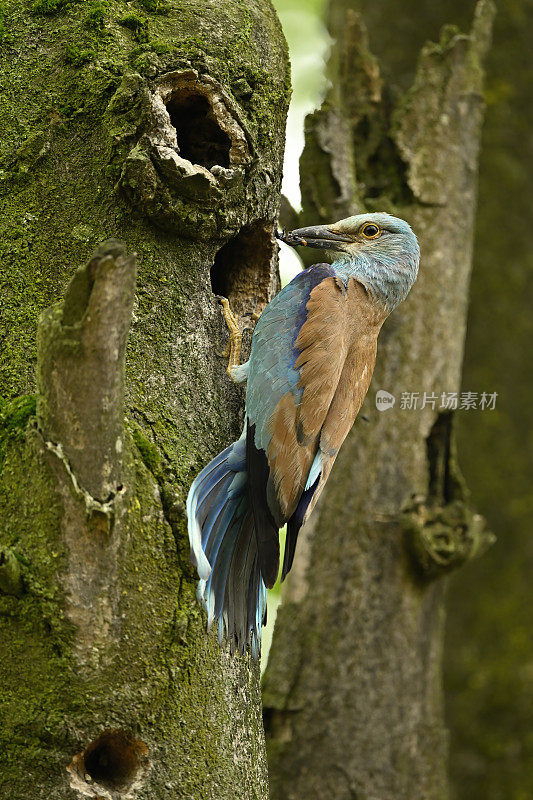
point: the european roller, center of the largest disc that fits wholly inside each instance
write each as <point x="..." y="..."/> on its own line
<point x="312" y="357"/>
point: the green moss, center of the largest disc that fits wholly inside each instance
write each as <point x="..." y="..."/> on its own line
<point x="47" y="8"/>
<point x="95" y="19"/>
<point x="155" y="6"/>
<point x="138" y="25"/>
<point x="3" y="29"/>
<point x="165" y="673"/>
<point x="31" y="623"/>
<point x="32" y="149"/>
<point x="11" y="582"/>
<point x="160" y="48"/>
<point x="147" y="449"/>
<point x="77" y="57"/>
<point x="14" y="417"/>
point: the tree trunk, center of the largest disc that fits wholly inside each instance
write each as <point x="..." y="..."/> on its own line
<point x="162" y="126"/>
<point x="352" y="692"/>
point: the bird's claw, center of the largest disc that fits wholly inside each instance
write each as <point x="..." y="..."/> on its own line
<point x="233" y="348"/>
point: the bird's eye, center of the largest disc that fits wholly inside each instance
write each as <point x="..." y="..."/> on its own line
<point x="370" y="231"/>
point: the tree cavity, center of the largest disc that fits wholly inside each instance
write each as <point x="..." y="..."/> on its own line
<point x="200" y="138"/>
<point x="111" y="766"/>
<point x="242" y="269"/>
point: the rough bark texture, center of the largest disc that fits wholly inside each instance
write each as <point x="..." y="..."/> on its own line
<point x="161" y="125"/>
<point x="352" y="693"/>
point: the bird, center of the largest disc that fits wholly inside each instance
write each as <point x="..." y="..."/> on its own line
<point x="312" y="357"/>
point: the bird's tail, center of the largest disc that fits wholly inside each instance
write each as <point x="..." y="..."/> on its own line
<point x="224" y="549"/>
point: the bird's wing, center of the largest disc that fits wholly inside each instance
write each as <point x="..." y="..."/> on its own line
<point x="299" y="349"/>
<point x="363" y="321"/>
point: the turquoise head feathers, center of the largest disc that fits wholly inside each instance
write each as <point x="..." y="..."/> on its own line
<point x="379" y="250"/>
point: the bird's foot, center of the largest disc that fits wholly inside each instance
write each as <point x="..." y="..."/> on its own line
<point x="233" y="348"/>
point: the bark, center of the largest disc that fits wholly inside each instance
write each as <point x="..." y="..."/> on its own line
<point x="352" y="692"/>
<point x="161" y="126"/>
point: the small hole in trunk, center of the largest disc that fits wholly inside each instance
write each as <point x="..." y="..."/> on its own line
<point x="113" y="761"/>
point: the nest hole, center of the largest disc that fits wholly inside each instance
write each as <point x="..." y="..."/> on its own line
<point x="200" y="138"/>
<point x="114" y="760"/>
<point x="242" y="270"/>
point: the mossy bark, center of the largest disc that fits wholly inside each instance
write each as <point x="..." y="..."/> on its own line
<point x="109" y="684"/>
<point x="352" y="692"/>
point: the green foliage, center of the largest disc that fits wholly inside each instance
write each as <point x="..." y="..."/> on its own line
<point x="138" y="25"/>
<point x="140" y="57"/>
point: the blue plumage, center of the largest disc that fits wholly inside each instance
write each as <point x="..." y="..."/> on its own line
<point x="220" y="529"/>
<point x="274" y="473"/>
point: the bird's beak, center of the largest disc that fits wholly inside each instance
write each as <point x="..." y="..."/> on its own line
<point x="319" y="236"/>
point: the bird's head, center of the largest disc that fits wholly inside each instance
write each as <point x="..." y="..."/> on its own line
<point x="379" y="250"/>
